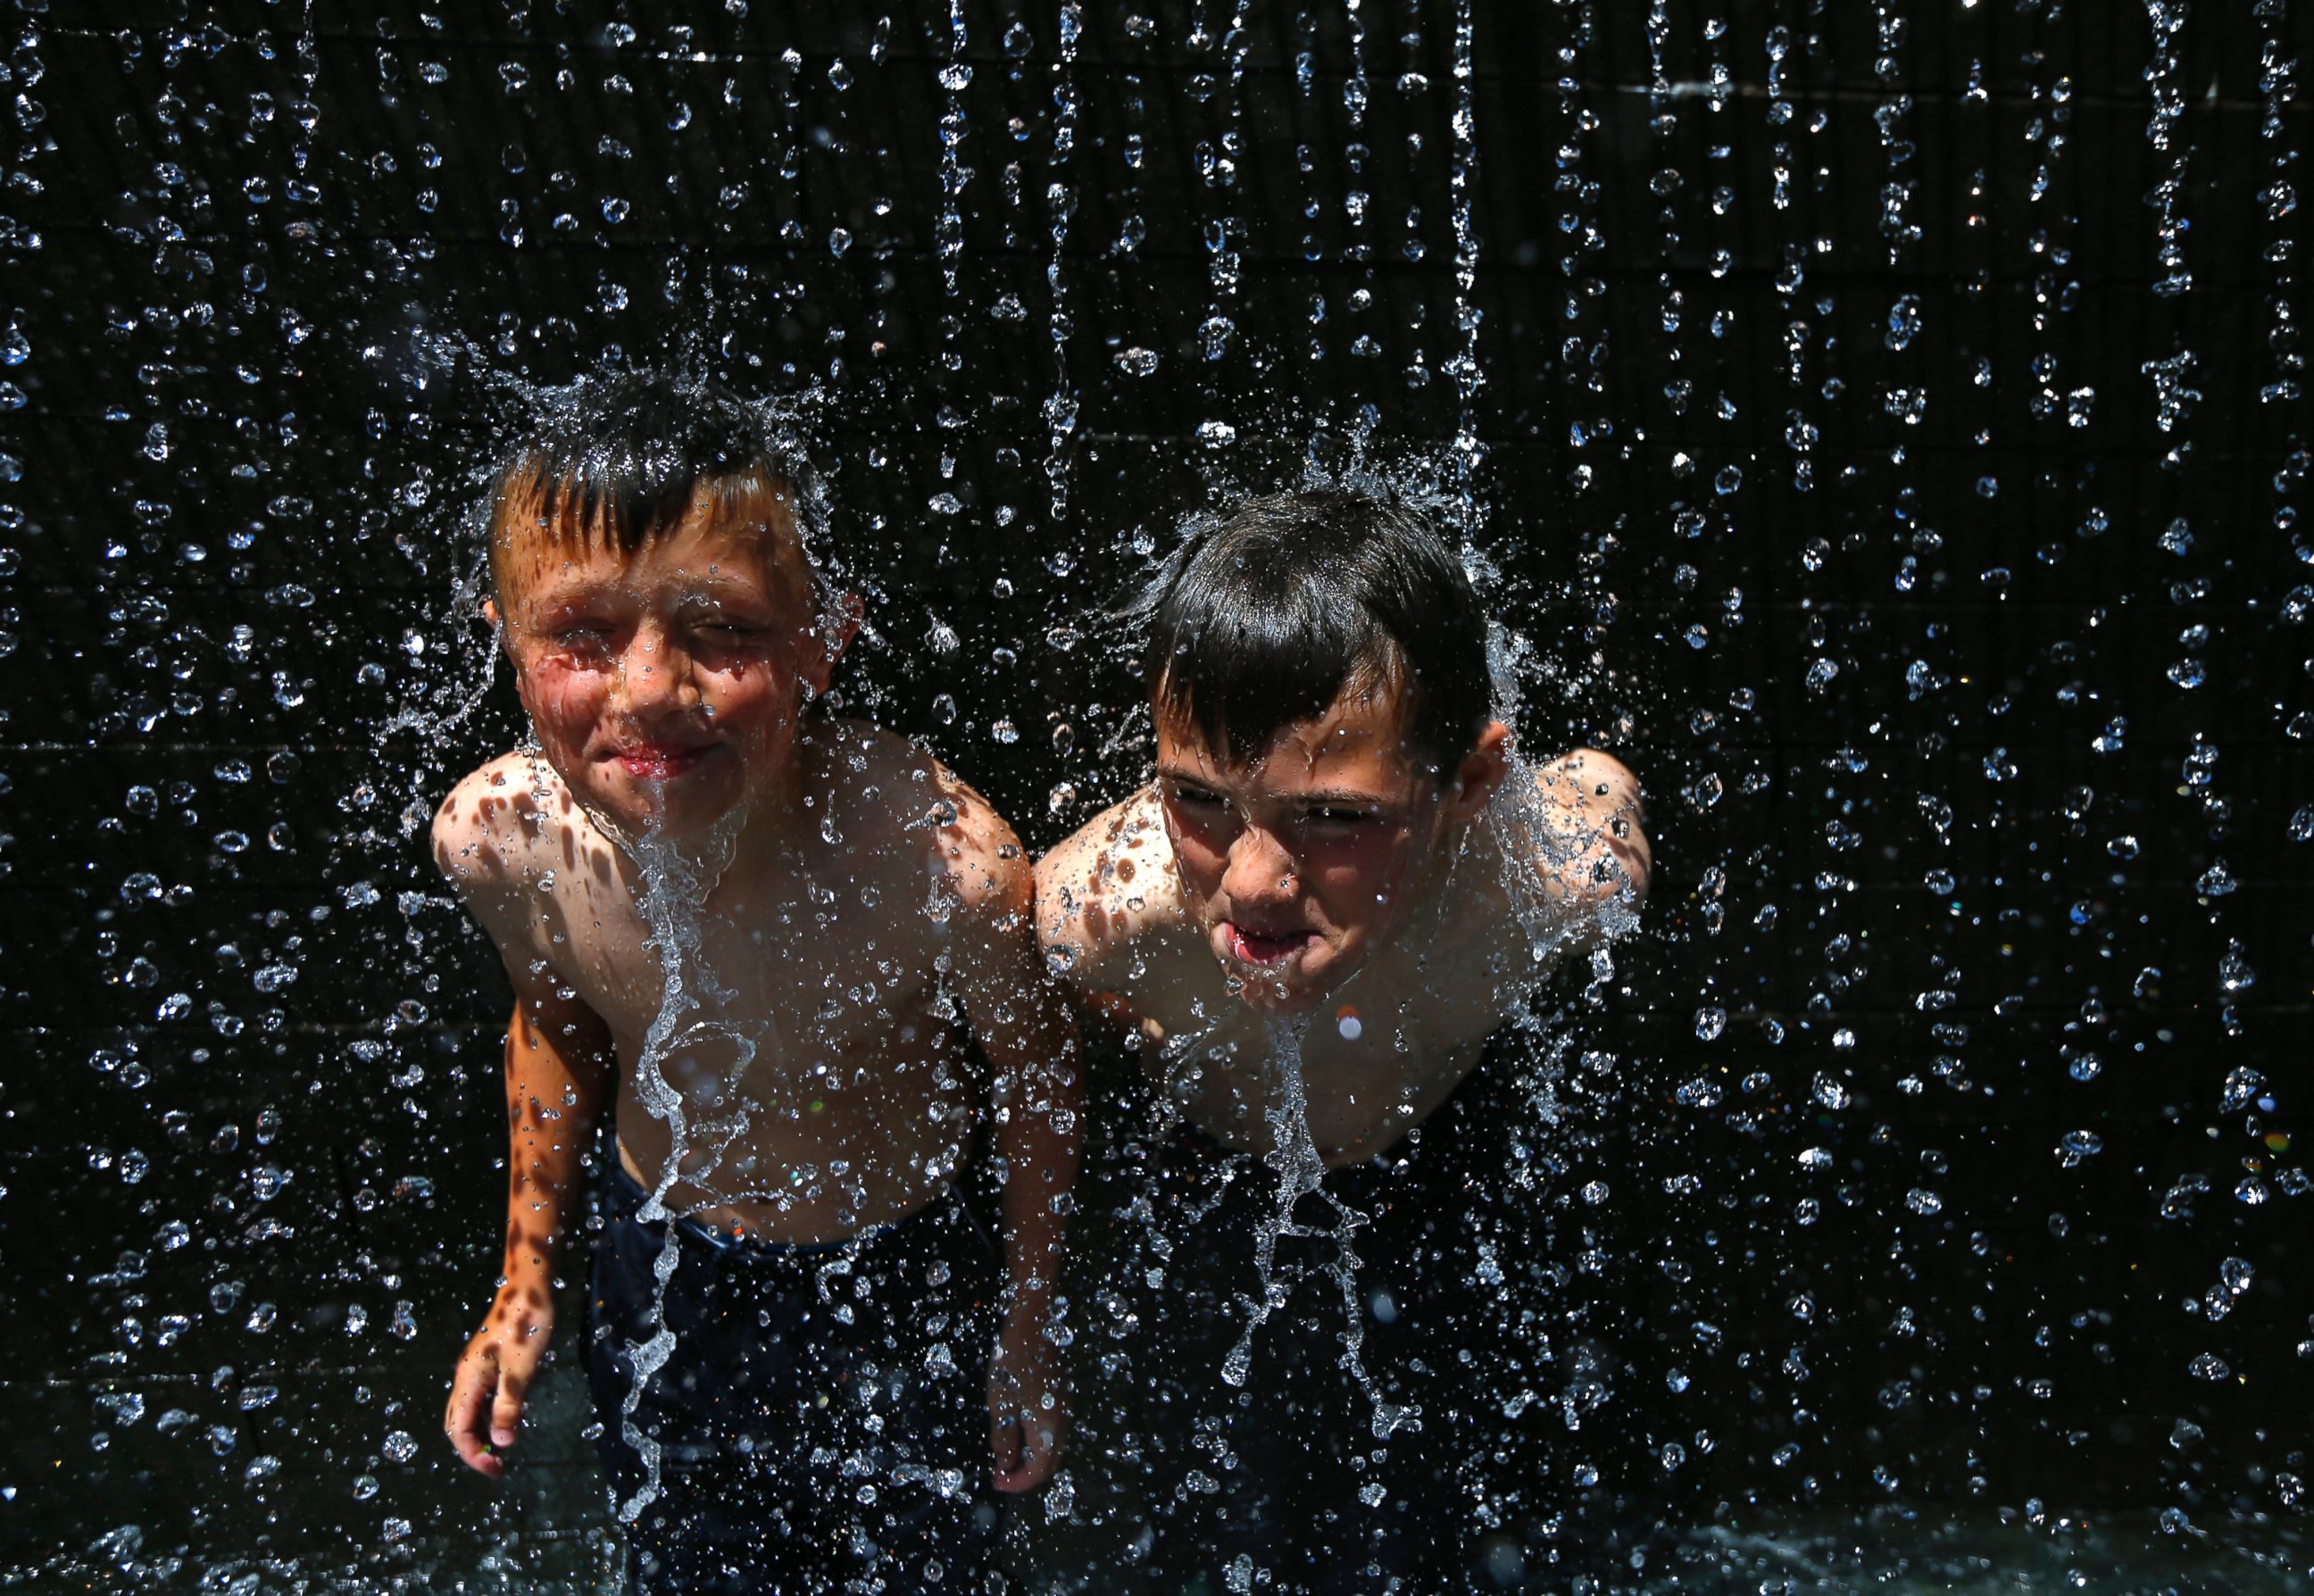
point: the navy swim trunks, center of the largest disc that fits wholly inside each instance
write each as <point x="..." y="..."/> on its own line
<point x="820" y="1422"/>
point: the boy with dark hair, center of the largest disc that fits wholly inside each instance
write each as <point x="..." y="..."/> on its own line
<point x="794" y="955"/>
<point x="1325" y="1183"/>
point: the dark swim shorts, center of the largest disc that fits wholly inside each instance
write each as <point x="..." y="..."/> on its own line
<point x="1282" y="1484"/>
<point x="821" y="1420"/>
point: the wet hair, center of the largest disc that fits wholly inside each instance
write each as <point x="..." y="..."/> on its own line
<point x="619" y="463"/>
<point x="1264" y="618"/>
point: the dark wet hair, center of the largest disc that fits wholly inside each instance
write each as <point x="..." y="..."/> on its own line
<point x="1264" y="618"/>
<point x="619" y="461"/>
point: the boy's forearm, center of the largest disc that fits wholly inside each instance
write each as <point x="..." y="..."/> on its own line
<point x="1037" y="1136"/>
<point x="1038" y="1170"/>
<point x="553" y="1098"/>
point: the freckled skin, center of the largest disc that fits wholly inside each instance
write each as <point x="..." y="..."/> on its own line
<point x="666" y="691"/>
<point x="1385" y="886"/>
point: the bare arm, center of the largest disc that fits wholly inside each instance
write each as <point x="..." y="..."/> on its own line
<point x="1024" y="1030"/>
<point x="558" y="1072"/>
<point x="561" y="1064"/>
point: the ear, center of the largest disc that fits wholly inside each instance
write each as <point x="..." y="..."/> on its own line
<point x="838" y="624"/>
<point x="1481" y="772"/>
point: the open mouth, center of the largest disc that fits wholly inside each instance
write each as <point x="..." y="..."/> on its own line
<point x="651" y="762"/>
<point x="1263" y="948"/>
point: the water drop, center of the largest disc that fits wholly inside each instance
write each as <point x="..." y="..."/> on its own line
<point x="2242" y="1087"/>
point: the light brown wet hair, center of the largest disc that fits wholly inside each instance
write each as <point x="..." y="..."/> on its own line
<point x="624" y="460"/>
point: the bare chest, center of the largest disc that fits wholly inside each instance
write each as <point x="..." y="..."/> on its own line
<point x="774" y="986"/>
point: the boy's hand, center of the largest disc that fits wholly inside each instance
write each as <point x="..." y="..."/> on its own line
<point x="1024" y="1433"/>
<point x="492" y="1378"/>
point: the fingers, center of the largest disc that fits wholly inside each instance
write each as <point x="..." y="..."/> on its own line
<point x="472" y="1389"/>
<point x="506" y="1413"/>
<point x="1025" y="1426"/>
<point x="1035" y="1451"/>
<point x="1005" y="1446"/>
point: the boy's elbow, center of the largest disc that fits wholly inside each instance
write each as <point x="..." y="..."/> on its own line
<point x="1635" y="860"/>
<point x="1638" y="871"/>
<point x="1617" y="875"/>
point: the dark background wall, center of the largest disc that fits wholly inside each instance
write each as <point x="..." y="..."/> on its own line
<point x="1856" y="464"/>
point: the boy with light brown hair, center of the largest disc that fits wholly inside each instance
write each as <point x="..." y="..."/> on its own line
<point x="793" y="956"/>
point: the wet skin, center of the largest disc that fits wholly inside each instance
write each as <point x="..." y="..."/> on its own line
<point x="821" y="1072"/>
<point x="666" y="686"/>
<point x="1329" y="882"/>
<point x="1297" y="865"/>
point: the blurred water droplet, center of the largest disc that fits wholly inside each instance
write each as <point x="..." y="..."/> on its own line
<point x="2242" y="1087"/>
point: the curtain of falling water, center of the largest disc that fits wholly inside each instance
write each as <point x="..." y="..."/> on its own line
<point x="1884" y="422"/>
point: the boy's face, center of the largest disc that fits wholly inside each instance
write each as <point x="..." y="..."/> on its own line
<point x="1299" y="864"/>
<point x="665" y="686"/>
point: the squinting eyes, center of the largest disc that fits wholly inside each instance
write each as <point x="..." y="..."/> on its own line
<point x="1207" y="803"/>
<point x="587" y="634"/>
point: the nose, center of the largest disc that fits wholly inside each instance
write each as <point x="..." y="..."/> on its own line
<point x="1261" y="870"/>
<point x="657" y="677"/>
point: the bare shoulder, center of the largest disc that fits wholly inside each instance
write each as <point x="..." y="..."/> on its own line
<point x="496" y="824"/>
<point x="1111" y="882"/>
<point x="502" y="837"/>
<point x="1586" y="779"/>
<point x="922" y="814"/>
<point x="1593" y="809"/>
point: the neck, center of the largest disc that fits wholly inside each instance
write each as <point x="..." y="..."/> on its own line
<point x="1472" y="841"/>
<point x="1443" y="887"/>
<point x="783" y="819"/>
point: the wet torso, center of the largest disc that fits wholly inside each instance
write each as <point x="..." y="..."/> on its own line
<point x="818" y="1064"/>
